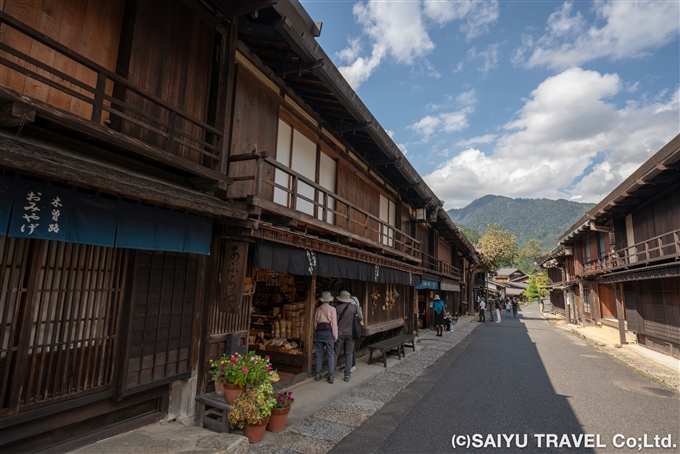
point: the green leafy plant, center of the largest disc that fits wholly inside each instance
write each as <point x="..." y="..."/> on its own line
<point x="253" y="406"/>
<point x="218" y="368"/>
<point x="284" y="400"/>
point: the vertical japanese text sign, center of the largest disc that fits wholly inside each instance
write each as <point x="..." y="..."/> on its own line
<point x="233" y="276"/>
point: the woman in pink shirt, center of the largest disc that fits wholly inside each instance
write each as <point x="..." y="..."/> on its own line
<point x="326" y="328"/>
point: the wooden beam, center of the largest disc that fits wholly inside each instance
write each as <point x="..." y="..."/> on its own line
<point x="14" y="114"/>
<point x="354" y="127"/>
<point x="237" y="9"/>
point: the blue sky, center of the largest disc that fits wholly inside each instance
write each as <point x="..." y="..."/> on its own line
<point x="516" y="98"/>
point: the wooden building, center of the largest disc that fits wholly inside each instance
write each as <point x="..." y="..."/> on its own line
<point x="618" y="265"/>
<point x="167" y="168"/>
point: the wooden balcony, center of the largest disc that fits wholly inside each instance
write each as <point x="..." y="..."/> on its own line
<point x="441" y="267"/>
<point x="80" y="96"/>
<point x="272" y="186"/>
<point x="661" y="248"/>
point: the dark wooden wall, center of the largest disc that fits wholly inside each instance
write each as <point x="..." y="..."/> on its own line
<point x="662" y="215"/>
<point x="653" y="307"/>
<point x="254" y="125"/>
<point x="170" y="55"/>
<point x="88" y="27"/>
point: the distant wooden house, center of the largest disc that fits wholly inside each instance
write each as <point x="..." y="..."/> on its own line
<point x="510" y="275"/>
<point x="618" y="265"/>
<point x="167" y="169"/>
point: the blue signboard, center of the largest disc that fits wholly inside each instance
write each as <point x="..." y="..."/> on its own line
<point x="428" y="285"/>
<point x="41" y="210"/>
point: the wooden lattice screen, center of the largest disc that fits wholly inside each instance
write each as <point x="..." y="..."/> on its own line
<point x="164" y="296"/>
<point x="59" y="314"/>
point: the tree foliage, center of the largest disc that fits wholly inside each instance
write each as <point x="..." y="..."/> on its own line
<point x="532" y="290"/>
<point x="498" y="247"/>
<point x="472" y="235"/>
<point x="527" y="257"/>
<point x="541" y="283"/>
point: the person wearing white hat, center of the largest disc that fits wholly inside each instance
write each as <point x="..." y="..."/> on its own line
<point x="326" y="328"/>
<point x="347" y="313"/>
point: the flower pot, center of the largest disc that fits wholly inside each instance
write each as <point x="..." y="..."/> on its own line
<point x="231" y="391"/>
<point x="219" y="388"/>
<point x="255" y="432"/>
<point x="277" y="421"/>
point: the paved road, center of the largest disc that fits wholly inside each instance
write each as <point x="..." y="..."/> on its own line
<point x="528" y="378"/>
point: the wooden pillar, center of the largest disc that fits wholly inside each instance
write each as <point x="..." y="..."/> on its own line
<point x="581" y="310"/>
<point x="310" y="309"/>
<point x="620" y="314"/>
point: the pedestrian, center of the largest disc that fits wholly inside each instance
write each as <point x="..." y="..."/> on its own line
<point x="515" y="305"/>
<point x="498" y="311"/>
<point x="355" y="301"/>
<point x="541" y="304"/>
<point x="508" y="308"/>
<point x="326" y="328"/>
<point x="347" y="312"/>
<point x="482" y="306"/>
<point x="439" y="314"/>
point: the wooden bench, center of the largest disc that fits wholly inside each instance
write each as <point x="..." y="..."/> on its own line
<point x="213" y="411"/>
<point x="395" y="343"/>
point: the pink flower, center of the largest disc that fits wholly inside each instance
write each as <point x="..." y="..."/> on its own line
<point x="245" y="370"/>
<point x="268" y="368"/>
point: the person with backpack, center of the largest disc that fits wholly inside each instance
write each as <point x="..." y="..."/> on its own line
<point x="355" y="301"/>
<point x="347" y="313"/>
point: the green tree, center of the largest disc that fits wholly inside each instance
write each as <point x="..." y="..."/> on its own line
<point x="541" y="283"/>
<point x="498" y="247"/>
<point x="527" y="257"/>
<point x="531" y="292"/>
<point x="471" y="234"/>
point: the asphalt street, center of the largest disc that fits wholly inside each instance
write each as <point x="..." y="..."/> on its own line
<point x="517" y="386"/>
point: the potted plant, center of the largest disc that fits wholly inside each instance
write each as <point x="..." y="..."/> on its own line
<point x="277" y="420"/>
<point x="218" y="374"/>
<point x="244" y="370"/>
<point x="252" y="409"/>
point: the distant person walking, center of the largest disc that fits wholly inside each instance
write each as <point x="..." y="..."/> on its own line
<point x="439" y="314"/>
<point x="498" y="311"/>
<point x="515" y="305"/>
<point x="508" y="308"/>
<point x="482" y="307"/>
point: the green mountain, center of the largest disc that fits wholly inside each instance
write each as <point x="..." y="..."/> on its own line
<point x="543" y="219"/>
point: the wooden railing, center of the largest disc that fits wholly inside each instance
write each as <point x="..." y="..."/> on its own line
<point x="441" y="267"/>
<point x="310" y="198"/>
<point x="170" y="134"/>
<point x="662" y="247"/>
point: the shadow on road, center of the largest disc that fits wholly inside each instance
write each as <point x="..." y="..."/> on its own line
<point x="491" y="388"/>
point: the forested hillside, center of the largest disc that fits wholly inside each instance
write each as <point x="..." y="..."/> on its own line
<point x="543" y="219"/>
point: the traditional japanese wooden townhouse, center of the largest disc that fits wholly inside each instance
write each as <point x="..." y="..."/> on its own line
<point x="179" y="179"/>
<point x="618" y="265"/>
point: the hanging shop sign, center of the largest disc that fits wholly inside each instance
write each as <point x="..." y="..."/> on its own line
<point x="233" y="276"/>
<point x="41" y="210"/>
<point x="427" y="285"/>
<point x="449" y="286"/>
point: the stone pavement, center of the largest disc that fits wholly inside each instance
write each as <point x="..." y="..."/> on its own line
<point x="663" y="368"/>
<point x="322" y="415"/>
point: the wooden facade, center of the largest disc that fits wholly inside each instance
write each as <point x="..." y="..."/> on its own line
<point x="185" y="111"/>
<point x="619" y="264"/>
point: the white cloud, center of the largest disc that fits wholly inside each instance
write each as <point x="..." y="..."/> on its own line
<point x="426" y="126"/>
<point x="399" y="31"/>
<point x="447" y="121"/>
<point x="631" y="29"/>
<point x="554" y="137"/>
<point x="486" y="138"/>
<point x="486" y="59"/>
<point x="476" y="15"/>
